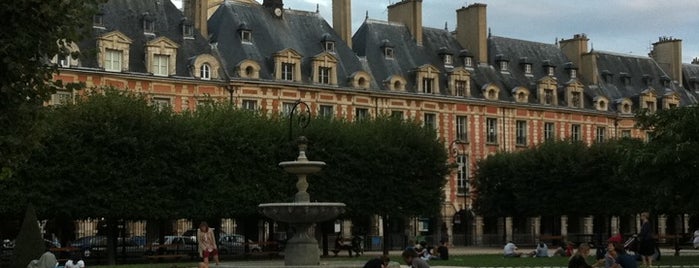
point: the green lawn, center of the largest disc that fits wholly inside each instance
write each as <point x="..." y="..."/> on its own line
<point x="490" y="260"/>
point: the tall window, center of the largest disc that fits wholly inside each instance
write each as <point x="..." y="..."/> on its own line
<point x="460" y="88"/>
<point x="430" y="120"/>
<point x="626" y="133"/>
<point x="287" y="107"/>
<point x="548" y="96"/>
<point x="288" y="71"/>
<point x="112" y="60"/>
<point x="324" y="75"/>
<point x="326" y="111"/>
<point x="361" y="114"/>
<point x="521" y="132"/>
<point x="161" y="103"/>
<point x="250" y="105"/>
<point x="427" y="84"/>
<point x="462" y="175"/>
<point x="397" y="114"/>
<point x="549" y="131"/>
<point x="491" y="128"/>
<point x="600" y="134"/>
<point x="61" y="98"/>
<point x="575" y="132"/>
<point x="205" y="71"/>
<point x="160" y="65"/>
<point x="462" y="128"/>
<point x="575" y="99"/>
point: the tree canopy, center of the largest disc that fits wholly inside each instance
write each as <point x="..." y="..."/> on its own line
<point x="130" y="160"/>
<point x="32" y="32"/>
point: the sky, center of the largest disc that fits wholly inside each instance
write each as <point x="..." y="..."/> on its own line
<point x="622" y="26"/>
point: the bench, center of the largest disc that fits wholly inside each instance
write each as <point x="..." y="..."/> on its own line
<point x="159" y="258"/>
<point x="677" y="242"/>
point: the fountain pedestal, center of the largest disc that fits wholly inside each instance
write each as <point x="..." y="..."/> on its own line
<point x="302" y="248"/>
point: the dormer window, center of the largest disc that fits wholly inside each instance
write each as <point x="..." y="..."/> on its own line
<point x="625" y="78"/>
<point x="665" y="80"/>
<point x="330" y="46"/>
<point x="647" y="80"/>
<point x="288" y="71"/>
<point x="427" y="85"/>
<point x="387" y="49"/>
<point x="607" y="76"/>
<point x="527" y="68"/>
<point x="98" y="20"/>
<point x="448" y="59"/>
<point x="187" y="29"/>
<point x="287" y="65"/>
<point x="550" y="70"/>
<point x="446" y="56"/>
<point x="468" y="61"/>
<point x="548" y="96"/>
<point x="246" y="36"/>
<point x="573" y="73"/>
<point x="388" y="52"/>
<point x="148" y="23"/>
<point x="504" y="66"/>
<point x="245" y="33"/>
<point x="205" y="71"/>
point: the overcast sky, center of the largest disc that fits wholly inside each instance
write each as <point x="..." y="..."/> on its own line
<point x="624" y="26"/>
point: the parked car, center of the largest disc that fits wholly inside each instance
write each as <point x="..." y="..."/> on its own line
<point x="89" y="245"/>
<point x="173" y="244"/>
<point x="236" y="244"/>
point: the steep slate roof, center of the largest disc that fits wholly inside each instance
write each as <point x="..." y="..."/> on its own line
<point x="298" y="30"/>
<point x="636" y="68"/>
<point x="690" y="75"/>
<point x="517" y="52"/>
<point x="126" y="16"/>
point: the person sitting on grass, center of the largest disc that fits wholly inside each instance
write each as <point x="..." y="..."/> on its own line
<point x="378" y="262"/>
<point x="412" y="260"/>
<point x="578" y="260"/>
<point x="510" y="250"/>
<point x="542" y="250"/>
<point x="443" y="251"/>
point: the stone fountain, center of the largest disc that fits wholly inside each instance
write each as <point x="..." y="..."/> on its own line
<point x="302" y="248"/>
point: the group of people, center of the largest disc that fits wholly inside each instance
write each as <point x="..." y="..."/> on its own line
<point x="48" y="260"/>
<point x="428" y="252"/>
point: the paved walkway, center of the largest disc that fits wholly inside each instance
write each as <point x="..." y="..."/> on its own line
<point x="330" y="263"/>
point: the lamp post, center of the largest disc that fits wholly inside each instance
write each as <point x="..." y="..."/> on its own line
<point x="456" y="147"/>
<point x="303" y="118"/>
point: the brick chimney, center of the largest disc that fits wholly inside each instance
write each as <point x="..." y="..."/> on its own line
<point x="197" y="12"/>
<point x="667" y="52"/>
<point x="472" y="30"/>
<point x="342" y="20"/>
<point x="408" y="12"/>
<point x="574" y="49"/>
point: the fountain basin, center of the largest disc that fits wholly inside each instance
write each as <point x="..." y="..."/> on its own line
<point x="302" y="167"/>
<point x="302" y="212"/>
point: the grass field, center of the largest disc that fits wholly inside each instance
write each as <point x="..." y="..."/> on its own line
<point x="491" y="260"/>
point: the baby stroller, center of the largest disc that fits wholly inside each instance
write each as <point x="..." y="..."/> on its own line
<point x="633" y="244"/>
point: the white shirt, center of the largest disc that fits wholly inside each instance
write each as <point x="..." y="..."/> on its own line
<point x="71" y="264"/>
<point x="510" y="249"/>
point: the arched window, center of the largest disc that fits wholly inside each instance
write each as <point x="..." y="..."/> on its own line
<point x="205" y="71"/>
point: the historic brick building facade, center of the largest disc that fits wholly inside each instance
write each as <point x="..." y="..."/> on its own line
<point x="481" y="93"/>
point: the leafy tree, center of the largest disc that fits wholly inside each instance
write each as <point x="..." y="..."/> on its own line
<point x="29" y="244"/>
<point x="111" y="148"/>
<point x="32" y="32"/>
<point x="669" y="162"/>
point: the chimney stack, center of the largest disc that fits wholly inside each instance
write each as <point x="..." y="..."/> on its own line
<point x="668" y="53"/>
<point x="574" y="49"/>
<point x="197" y="12"/>
<point x="408" y="12"/>
<point x="342" y="20"/>
<point x="472" y="30"/>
